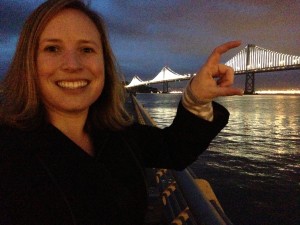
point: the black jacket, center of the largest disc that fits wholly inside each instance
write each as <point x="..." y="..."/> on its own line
<point x="45" y="178"/>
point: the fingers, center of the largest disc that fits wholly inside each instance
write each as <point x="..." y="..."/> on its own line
<point x="226" y="79"/>
<point x="204" y="80"/>
<point x="215" y="57"/>
<point x="226" y="75"/>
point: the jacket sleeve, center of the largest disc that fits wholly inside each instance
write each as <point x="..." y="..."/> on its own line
<point x="180" y="144"/>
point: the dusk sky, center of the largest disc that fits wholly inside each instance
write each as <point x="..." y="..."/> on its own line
<point x="148" y="35"/>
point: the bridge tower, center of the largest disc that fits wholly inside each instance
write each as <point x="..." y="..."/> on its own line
<point x="165" y="83"/>
<point x="249" y="84"/>
<point x="165" y="87"/>
<point x="250" y="76"/>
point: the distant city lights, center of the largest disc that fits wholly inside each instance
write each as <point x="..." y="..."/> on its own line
<point x="286" y="92"/>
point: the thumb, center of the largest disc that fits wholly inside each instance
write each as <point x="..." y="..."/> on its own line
<point x="229" y="91"/>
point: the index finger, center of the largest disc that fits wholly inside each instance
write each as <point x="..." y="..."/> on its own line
<point x="215" y="56"/>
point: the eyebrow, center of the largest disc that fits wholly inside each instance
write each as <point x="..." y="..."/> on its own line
<point x="82" y="41"/>
<point x="88" y="42"/>
<point x="50" y="40"/>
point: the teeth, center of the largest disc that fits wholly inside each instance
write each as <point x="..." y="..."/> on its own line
<point x="72" y="84"/>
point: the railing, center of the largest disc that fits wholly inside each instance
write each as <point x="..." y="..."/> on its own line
<point x="185" y="199"/>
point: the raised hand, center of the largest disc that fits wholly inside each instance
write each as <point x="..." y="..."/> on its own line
<point x="215" y="79"/>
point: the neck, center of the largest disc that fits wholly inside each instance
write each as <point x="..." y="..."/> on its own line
<point x="72" y="125"/>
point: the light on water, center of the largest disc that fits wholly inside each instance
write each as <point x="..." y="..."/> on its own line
<point x="253" y="164"/>
<point x="287" y="92"/>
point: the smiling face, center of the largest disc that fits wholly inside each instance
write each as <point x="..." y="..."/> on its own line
<point x="70" y="63"/>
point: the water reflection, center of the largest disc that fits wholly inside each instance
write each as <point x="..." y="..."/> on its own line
<point x="162" y="107"/>
<point x="254" y="161"/>
<point x="260" y="126"/>
<point x="264" y="124"/>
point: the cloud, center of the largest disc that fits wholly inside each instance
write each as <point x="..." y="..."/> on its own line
<point x="13" y="15"/>
<point x="184" y="34"/>
<point x="147" y="35"/>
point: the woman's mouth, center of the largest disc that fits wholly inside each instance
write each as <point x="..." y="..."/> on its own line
<point x="72" y="84"/>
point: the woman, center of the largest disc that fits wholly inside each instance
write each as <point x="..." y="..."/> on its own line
<point x="69" y="152"/>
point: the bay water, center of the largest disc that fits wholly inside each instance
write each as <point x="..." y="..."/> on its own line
<point x="253" y="165"/>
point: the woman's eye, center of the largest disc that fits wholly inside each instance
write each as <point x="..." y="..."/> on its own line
<point x="88" y="50"/>
<point x="51" y="49"/>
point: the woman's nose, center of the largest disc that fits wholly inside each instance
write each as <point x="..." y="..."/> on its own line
<point x="71" y="61"/>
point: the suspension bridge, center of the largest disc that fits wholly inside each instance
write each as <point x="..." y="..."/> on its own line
<point x="249" y="61"/>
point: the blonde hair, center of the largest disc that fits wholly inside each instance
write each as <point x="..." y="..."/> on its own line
<point x="21" y="105"/>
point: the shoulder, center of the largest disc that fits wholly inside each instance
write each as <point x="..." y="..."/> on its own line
<point x="8" y="133"/>
<point x="14" y="140"/>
